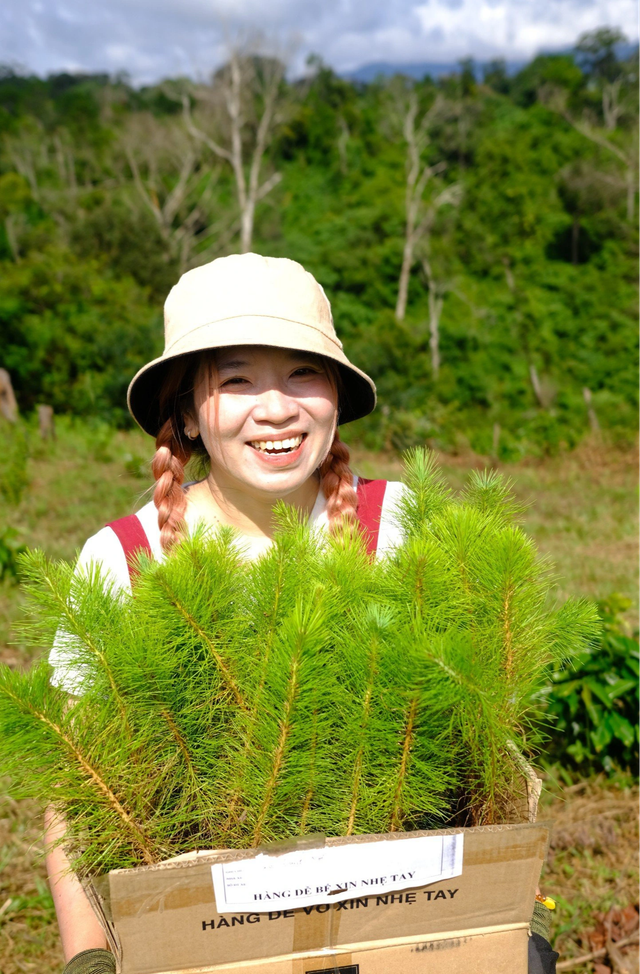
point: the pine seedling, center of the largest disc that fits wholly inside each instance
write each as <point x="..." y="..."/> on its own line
<point x="189" y="678"/>
<point x="277" y="590"/>
<point x="501" y="634"/>
<point x="283" y="765"/>
<point x="380" y="739"/>
<point x="490" y="493"/>
<point x="229" y="703"/>
<point x="427" y="492"/>
<point x="70" y="757"/>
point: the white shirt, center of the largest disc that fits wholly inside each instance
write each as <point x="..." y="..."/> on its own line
<point x="104" y="550"/>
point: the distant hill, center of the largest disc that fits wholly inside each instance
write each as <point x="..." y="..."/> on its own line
<point x="369" y="72"/>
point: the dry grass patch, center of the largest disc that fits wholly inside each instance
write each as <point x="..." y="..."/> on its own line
<point x="592" y="872"/>
<point x="29" y="939"/>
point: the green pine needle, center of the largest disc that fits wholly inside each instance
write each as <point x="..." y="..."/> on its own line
<point x="227" y="703"/>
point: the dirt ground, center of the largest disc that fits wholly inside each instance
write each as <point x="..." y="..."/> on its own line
<point x="592" y="873"/>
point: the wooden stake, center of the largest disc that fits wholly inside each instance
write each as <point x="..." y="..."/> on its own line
<point x="8" y="404"/>
<point x="591" y="413"/>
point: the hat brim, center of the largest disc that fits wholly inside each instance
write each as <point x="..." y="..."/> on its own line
<point x="357" y="397"/>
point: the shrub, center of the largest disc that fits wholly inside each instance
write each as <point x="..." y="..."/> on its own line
<point x="594" y="702"/>
<point x="10" y="549"/>
<point x="13" y="469"/>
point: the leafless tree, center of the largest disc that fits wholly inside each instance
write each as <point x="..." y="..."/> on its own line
<point x="597" y="52"/>
<point x="556" y="99"/>
<point x="26" y="150"/>
<point x="235" y="117"/>
<point x="586" y="190"/>
<point x="170" y="182"/>
<point x="420" y="207"/>
<point x="57" y="169"/>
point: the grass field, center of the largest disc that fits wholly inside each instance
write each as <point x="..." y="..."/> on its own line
<point x="582" y="512"/>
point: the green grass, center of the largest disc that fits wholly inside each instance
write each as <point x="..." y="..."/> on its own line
<point x="85" y="478"/>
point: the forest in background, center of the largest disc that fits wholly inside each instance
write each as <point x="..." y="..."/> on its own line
<point x="477" y="237"/>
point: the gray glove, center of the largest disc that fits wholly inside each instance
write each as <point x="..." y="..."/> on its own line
<point x="541" y="920"/>
<point x="542" y="959"/>
<point x="95" y="961"/>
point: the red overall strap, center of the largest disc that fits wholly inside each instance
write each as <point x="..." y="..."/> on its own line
<point x="133" y="539"/>
<point x="370" y="497"/>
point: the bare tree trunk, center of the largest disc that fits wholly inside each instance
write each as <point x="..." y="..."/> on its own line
<point x="631" y="193"/>
<point x="413" y="171"/>
<point x="436" y="301"/>
<point x="12" y="236"/>
<point x="405" y="272"/>
<point x="233" y="98"/>
<point x="593" y="419"/>
<point x="611" y="108"/>
<point x="343" y="140"/>
<point x="417" y="222"/>
<point x="537" y="388"/>
<point x="508" y="274"/>
<point x="435" y="310"/>
<point x="495" y="444"/>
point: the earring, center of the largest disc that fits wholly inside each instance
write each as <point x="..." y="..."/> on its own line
<point x="191" y="435"/>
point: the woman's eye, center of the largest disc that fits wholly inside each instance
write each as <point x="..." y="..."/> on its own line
<point x="235" y="380"/>
<point x="306" y="370"/>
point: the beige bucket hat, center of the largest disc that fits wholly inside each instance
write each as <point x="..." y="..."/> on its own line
<point x="246" y="299"/>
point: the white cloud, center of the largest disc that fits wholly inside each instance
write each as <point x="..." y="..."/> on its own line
<point x="155" y="38"/>
<point x="519" y="28"/>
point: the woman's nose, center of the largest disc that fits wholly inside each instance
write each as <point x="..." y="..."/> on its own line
<point x="273" y="406"/>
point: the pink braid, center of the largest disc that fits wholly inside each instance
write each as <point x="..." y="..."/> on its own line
<point x="169" y="461"/>
<point x="337" y="485"/>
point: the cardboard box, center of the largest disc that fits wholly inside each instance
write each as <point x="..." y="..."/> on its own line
<point x="163" y="918"/>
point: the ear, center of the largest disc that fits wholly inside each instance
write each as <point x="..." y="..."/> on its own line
<point x="189" y="424"/>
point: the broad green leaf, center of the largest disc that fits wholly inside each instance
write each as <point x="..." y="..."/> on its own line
<point x="601" y="736"/>
<point x="622" y="729"/>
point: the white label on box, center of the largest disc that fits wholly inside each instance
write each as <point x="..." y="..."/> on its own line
<point x="331" y="874"/>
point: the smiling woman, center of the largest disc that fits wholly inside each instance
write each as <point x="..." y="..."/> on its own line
<point x="253" y="379"/>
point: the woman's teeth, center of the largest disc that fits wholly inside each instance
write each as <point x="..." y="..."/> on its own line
<point x="277" y="446"/>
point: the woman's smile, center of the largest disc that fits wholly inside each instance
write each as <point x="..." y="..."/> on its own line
<point x="277" y="449"/>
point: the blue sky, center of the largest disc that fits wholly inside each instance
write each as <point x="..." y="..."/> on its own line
<point x="156" y="38"/>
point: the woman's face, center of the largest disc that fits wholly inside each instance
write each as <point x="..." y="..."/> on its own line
<point x="276" y="417"/>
